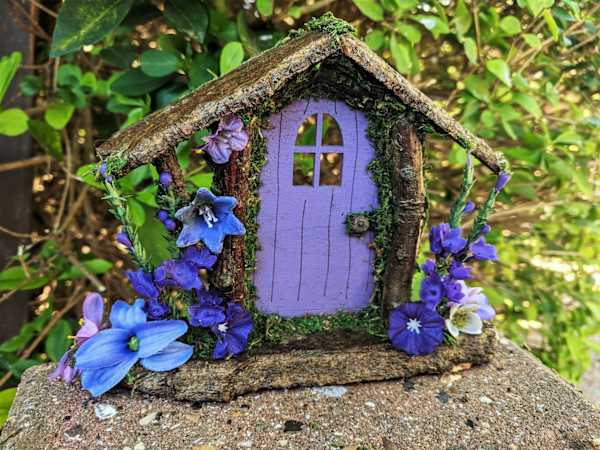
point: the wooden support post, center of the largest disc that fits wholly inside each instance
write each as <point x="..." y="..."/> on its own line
<point x="408" y="197"/>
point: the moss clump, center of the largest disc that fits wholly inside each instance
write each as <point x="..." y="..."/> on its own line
<point x="327" y="23"/>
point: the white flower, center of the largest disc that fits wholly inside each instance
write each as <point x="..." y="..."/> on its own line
<point x="464" y="318"/>
<point x="475" y="296"/>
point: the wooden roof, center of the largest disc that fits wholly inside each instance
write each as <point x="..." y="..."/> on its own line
<point x="261" y="77"/>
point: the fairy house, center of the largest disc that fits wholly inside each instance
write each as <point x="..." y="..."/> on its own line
<point x="330" y="186"/>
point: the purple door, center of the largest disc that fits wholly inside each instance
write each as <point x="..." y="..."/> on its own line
<point x="316" y="173"/>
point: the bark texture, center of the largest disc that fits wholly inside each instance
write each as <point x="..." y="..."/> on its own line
<point x="408" y="198"/>
<point x="257" y="80"/>
<point x="339" y="357"/>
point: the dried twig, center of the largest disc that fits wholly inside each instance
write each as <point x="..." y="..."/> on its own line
<point x="24" y="163"/>
<point x="86" y="273"/>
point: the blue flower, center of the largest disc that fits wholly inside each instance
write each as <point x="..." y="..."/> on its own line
<point x="428" y="267"/>
<point x="452" y="289"/>
<point x="105" y="359"/>
<point x="64" y="369"/>
<point x="177" y="272"/>
<point x="103" y="173"/>
<point x="156" y="310"/>
<point x="165" y="179"/>
<point x="200" y="258"/>
<point x="469" y="207"/>
<point x="483" y="251"/>
<point x="432" y="290"/>
<point x="208" y="219"/>
<point x="162" y="215"/>
<point x="458" y="271"/>
<point x="123" y="238"/>
<point x="230" y="136"/>
<point x="232" y="334"/>
<point x="475" y="296"/>
<point x="415" y="329"/>
<point x="209" y="310"/>
<point x="143" y="283"/>
<point x="501" y="181"/>
<point x="444" y="240"/>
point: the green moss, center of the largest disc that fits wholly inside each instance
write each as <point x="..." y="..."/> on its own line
<point x="115" y="162"/>
<point x="327" y="23"/>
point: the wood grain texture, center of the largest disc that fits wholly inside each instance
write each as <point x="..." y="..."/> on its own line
<point x="257" y="80"/>
<point x="321" y="359"/>
<point x="408" y="189"/>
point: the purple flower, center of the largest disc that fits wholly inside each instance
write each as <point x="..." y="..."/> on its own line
<point x="105" y="359"/>
<point x="156" y="310"/>
<point x="232" y="334"/>
<point x="475" y="296"/>
<point x="177" y="272"/>
<point x="428" y="267"/>
<point x="208" y="219"/>
<point x="469" y="207"/>
<point x="485" y="229"/>
<point x="415" y="329"/>
<point x="483" y="251"/>
<point x="432" y="290"/>
<point x="170" y="225"/>
<point x="123" y="238"/>
<point x="501" y="181"/>
<point x="93" y="311"/>
<point x="209" y="310"/>
<point x="230" y="136"/>
<point x="143" y="283"/>
<point x="165" y="179"/>
<point x="444" y="240"/>
<point x="162" y="215"/>
<point x="64" y="370"/>
<point x="103" y="173"/>
<point x="459" y="272"/>
<point x="452" y="289"/>
<point x="199" y="258"/>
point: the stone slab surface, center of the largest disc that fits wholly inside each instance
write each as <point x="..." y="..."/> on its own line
<point x="513" y="402"/>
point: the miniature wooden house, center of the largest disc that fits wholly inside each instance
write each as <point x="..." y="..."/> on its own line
<point x="330" y="186"/>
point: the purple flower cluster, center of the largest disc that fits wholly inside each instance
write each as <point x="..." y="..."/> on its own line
<point x="231" y="323"/>
<point x="230" y="136"/>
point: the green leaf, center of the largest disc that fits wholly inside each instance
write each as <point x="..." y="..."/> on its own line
<point x="528" y="103"/>
<point x="204" y="68"/>
<point x="158" y="63"/>
<point x="96" y="266"/>
<point x="568" y="137"/>
<point x="120" y="56"/>
<point x="69" y="75"/>
<point x="559" y="168"/>
<point x="401" y="55"/>
<point x="7" y="397"/>
<point x="135" y="82"/>
<point x="479" y="87"/>
<point x="412" y="34"/>
<point x="532" y="40"/>
<point x="135" y="212"/>
<point x="232" y="56"/>
<point x="462" y="18"/>
<point x="13" y="122"/>
<point x="47" y="137"/>
<point x="434" y="24"/>
<point x="370" y="8"/>
<point x="8" y="67"/>
<point x="500" y="69"/>
<point x="551" y="24"/>
<point x="87" y="174"/>
<point x="190" y="16"/>
<point x="82" y="22"/>
<point x="265" y="7"/>
<point x="470" y="50"/>
<point x="375" y="39"/>
<point x="510" y="25"/>
<point x="203" y="179"/>
<point x="58" y="115"/>
<point x="31" y="85"/>
<point x="536" y="6"/>
<point x="58" y="341"/>
<point x="152" y="238"/>
<point x="16" y="278"/>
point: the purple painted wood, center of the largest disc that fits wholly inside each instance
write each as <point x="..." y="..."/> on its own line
<point x="307" y="262"/>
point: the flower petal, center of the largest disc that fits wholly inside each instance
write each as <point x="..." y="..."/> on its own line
<point x="59" y="371"/>
<point x="107" y="348"/>
<point x="97" y="382"/>
<point x="173" y="355"/>
<point x="473" y="324"/>
<point x="87" y="330"/>
<point x="93" y="308"/>
<point x="155" y="336"/>
<point x="191" y="233"/>
<point x="127" y="317"/>
<point x="486" y="312"/>
<point x="213" y="238"/>
<point x="232" y="226"/>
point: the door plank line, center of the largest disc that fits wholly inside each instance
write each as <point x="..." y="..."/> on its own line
<point x="276" y="208"/>
<point x="351" y="203"/>
<point x="328" y="243"/>
<point x="301" y="249"/>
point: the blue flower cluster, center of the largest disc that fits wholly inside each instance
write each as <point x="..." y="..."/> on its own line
<point x="418" y="327"/>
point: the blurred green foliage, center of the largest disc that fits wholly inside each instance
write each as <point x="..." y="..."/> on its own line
<point x="523" y="74"/>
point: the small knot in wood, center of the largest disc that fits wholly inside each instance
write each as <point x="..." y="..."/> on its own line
<point x="407" y="173"/>
<point x="400" y="255"/>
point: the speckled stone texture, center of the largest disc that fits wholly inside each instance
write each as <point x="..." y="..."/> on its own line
<point x="513" y="402"/>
